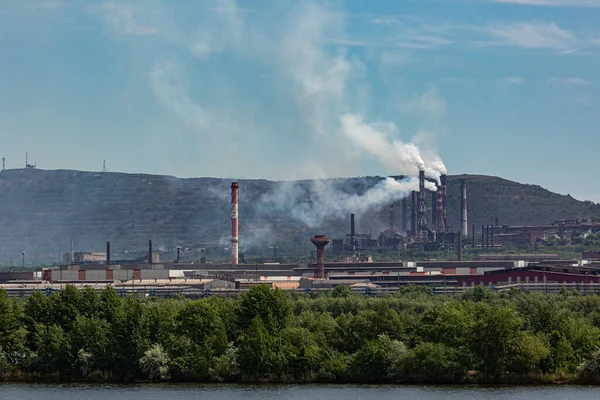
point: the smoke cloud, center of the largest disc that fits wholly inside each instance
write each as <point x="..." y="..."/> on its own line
<point x="323" y="86"/>
<point x="325" y="200"/>
<point x="397" y="157"/>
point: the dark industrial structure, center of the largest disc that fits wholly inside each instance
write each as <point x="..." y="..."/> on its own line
<point x="536" y="272"/>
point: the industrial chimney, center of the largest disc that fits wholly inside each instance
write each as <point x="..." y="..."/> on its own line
<point x="422" y="224"/>
<point x="441" y="227"/>
<point x="320" y="241"/>
<point x="352" y="234"/>
<point x="413" y="213"/>
<point x="434" y="210"/>
<point x="404" y="215"/>
<point x="234" y="223"/>
<point x="108" y="253"/>
<point x="444" y="216"/>
<point x="150" y="252"/>
<point x="463" y="214"/>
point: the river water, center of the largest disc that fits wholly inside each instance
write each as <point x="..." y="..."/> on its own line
<point x="17" y="391"/>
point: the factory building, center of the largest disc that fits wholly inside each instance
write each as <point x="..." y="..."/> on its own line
<point x="529" y="271"/>
<point x="84" y="257"/>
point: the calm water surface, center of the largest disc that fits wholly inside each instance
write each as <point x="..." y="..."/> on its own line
<point x="13" y="391"/>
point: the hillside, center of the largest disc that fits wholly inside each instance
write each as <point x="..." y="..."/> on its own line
<point x="41" y="211"/>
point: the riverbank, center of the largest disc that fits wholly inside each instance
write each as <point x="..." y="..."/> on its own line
<point x="410" y="337"/>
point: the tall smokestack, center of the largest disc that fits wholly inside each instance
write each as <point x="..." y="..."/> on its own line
<point x="108" y="253"/>
<point x="413" y="213"/>
<point x="320" y="241"/>
<point x="422" y="228"/>
<point x="178" y="254"/>
<point x="439" y="204"/>
<point x="492" y="237"/>
<point x="404" y="215"/>
<point x="352" y="234"/>
<point x="434" y="210"/>
<point x="444" y="216"/>
<point x="234" y="223"/>
<point x="463" y="215"/>
<point x="473" y="233"/>
<point x="149" y="251"/>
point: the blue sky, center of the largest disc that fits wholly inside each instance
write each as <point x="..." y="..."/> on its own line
<point x="261" y="89"/>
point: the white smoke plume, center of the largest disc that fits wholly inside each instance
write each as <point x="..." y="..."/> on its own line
<point x="326" y="201"/>
<point x="397" y="157"/>
<point x="430" y="186"/>
<point x="321" y="83"/>
<point x="439" y="166"/>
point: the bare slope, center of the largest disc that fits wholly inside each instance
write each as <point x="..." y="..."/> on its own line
<point x="41" y="211"/>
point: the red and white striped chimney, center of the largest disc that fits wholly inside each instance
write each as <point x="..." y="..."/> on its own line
<point x="234" y="223"/>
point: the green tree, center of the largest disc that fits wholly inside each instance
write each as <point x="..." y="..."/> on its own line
<point x="259" y="352"/>
<point x="201" y="322"/>
<point x="226" y="367"/>
<point x="53" y="350"/>
<point x="131" y="333"/>
<point x="433" y="363"/>
<point x="154" y="364"/>
<point x="91" y="343"/>
<point x="378" y="360"/>
<point x="12" y="334"/>
<point x="272" y="306"/>
<point x="589" y="370"/>
<point x="65" y="306"/>
<point x="303" y="354"/>
<point x="531" y="352"/>
<point x="495" y="339"/>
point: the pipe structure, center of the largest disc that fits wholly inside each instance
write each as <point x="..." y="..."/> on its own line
<point x="422" y="224"/>
<point x="460" y="246"/>
<point x="234" y="223"/>
<point x="444" y="185"/>
<point x="434" y="211"/>
<point x="413" y="214"/>
<point x="352" y="234"/>
<point x="463" y="215"/>
<point x="473" y="232"/>
<point x="320" y="241"/>
<point x="404" y="215"/>
<point x="149" y="251"/>
<point x="440" y="223"/>
<point x="108" y="253"/>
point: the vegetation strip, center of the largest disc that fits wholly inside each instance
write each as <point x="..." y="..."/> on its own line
<point x="266" y="335"/>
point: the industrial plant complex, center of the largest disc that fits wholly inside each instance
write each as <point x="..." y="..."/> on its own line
<point x="152" y="276"/>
